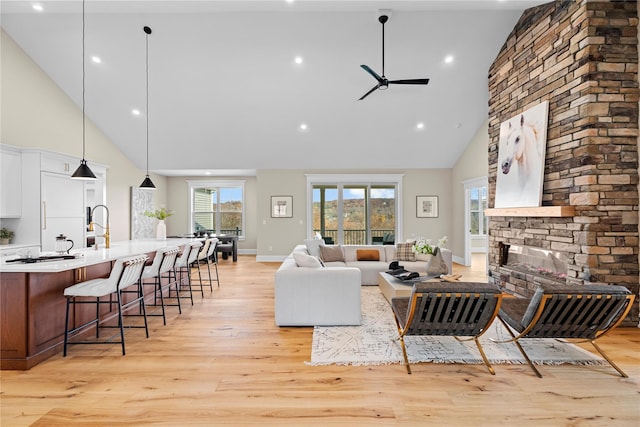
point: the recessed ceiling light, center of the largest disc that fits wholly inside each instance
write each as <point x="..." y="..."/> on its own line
<point x="303" y="127"/>
<point x="135" y="112"/>
<point x="38" y="7"/>
<point x="289" y="1"/>
<point x="420" y="126"/>
<point x="298" y="60"/>
<point x="96" y="59"/>
<point x="207" y="173"/>
<point x="448" y="59"/>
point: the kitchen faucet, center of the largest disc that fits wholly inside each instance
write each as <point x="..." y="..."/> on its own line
<point x="106" y="235"/>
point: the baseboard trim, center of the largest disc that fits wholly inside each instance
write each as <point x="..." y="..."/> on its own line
<point x="271" y="258"/>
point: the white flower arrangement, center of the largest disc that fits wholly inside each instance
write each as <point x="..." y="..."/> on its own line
<point x="424" y="246"/>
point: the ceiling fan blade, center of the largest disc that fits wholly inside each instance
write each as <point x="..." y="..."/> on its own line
<point x="410" y="82"/>
<point x="368" y="93"/>
<point x="373" y="73"/>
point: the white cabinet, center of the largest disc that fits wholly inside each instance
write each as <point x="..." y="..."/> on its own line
<point x="51" y="202"/>
<point x="10" y="183"/>
<point x="63" y="210"/>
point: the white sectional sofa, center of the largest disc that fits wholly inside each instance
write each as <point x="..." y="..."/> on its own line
<point x="330" y="295"/>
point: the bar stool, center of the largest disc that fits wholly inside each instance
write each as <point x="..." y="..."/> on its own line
<point x="163" y="263"/>
<point x="208" y="254"/>
<point x="183" y="265"/>
<point x="125" y="272"/>
<point x="202" y="256"/>
<point x="213" y="257"/>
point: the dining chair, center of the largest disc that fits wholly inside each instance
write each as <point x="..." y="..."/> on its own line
<point x="125" y="272"/>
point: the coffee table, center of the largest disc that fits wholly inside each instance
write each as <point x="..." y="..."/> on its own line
<point x="392" y="287"/>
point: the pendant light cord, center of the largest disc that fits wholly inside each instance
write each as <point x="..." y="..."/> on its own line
<point x="147" y="75"/>
<point x="83" y="88"/>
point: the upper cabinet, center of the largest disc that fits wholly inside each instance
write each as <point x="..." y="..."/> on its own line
<point x="44" y="198"/>
<point x="10" y="182"/>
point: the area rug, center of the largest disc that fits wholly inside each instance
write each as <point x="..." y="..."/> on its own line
<point x="375" y="342"/>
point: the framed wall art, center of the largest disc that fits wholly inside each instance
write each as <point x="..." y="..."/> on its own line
<point x="142" y="226"/>
<point x="281" y="206"/>
<point x="427" y="206"/>
<point x="521" y="154"/>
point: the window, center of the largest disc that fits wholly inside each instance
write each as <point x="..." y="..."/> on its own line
<point x="217" y="207"/>
<point x="355" y="209"/>
<point x="477" y="206"/>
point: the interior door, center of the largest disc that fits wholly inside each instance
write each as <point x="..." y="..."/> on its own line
<point x="62" y="210"/>
<point x="475" y="222"/>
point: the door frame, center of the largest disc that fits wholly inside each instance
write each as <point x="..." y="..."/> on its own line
<point x="468" y="185"/>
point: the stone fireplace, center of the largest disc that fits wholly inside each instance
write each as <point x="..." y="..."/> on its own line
<point x="582" y="57"/>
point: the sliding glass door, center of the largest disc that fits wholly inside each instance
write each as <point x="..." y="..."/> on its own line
<point x="355" y="214"/>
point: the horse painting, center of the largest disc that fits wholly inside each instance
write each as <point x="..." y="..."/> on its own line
<point x="521" y="153"/>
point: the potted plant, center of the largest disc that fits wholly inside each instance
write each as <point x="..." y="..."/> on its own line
<point x="160" y="214"/>
<point x="5" y="236"/>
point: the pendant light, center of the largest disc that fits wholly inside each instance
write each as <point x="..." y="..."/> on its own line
<point x="83" y="172"/>
<point x="147" y="183"/>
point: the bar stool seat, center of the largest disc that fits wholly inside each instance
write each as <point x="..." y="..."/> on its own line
<point x="125" y="272"/>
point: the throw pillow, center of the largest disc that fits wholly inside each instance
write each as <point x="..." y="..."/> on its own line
<point x="313" y="246"/>
<point x="404" y="251"/>
<point x="304" y="260"/>
<point x="367" y="255"/>
<point x="331" y="253"/>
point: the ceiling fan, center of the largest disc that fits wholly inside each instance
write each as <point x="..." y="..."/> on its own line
<point x="383" y="82"/>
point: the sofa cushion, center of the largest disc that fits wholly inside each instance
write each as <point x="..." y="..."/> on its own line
<point x="367" y="255"/>
<point x="304" y="260"/>
<point x="313" y="246"/>
<point x="331" y="253"/>
<point x="404" y="251"/>
<point x="369" y="270"/>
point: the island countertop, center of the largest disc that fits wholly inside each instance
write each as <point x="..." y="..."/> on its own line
<point x="90" y="256"/>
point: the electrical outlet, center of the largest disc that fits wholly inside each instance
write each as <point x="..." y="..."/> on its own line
<point x="270" y="248"/>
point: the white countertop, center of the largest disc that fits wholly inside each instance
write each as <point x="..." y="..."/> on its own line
<point x="90" y="256"/>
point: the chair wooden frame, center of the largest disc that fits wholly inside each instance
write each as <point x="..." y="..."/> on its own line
<point x="452" y="309"/>
<point x="580" y="314"/>
<point x="125" y="272"/>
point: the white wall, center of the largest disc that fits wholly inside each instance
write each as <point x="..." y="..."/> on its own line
<point x="473" y="163"/>
<point x="277" y="236"/>
<point x="35" y="113"/>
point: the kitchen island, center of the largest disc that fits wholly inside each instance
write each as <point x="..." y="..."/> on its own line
<point x="32" y="302"/>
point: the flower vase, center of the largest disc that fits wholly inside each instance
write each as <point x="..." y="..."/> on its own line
<point x="161" y="230"/>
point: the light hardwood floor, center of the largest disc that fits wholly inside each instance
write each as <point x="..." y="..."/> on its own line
<point x="223" y="361"/>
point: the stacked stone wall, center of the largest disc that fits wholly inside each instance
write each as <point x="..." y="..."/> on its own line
<point x="582" y="57"/>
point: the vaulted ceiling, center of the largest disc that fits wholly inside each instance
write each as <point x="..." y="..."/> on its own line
<point x="225" y="91"/>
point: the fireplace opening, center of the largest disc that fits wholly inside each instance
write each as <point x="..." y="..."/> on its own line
<point x="532" y="260"/>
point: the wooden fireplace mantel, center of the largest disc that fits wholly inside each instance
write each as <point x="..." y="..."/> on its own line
<point x="540" y="211"/>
